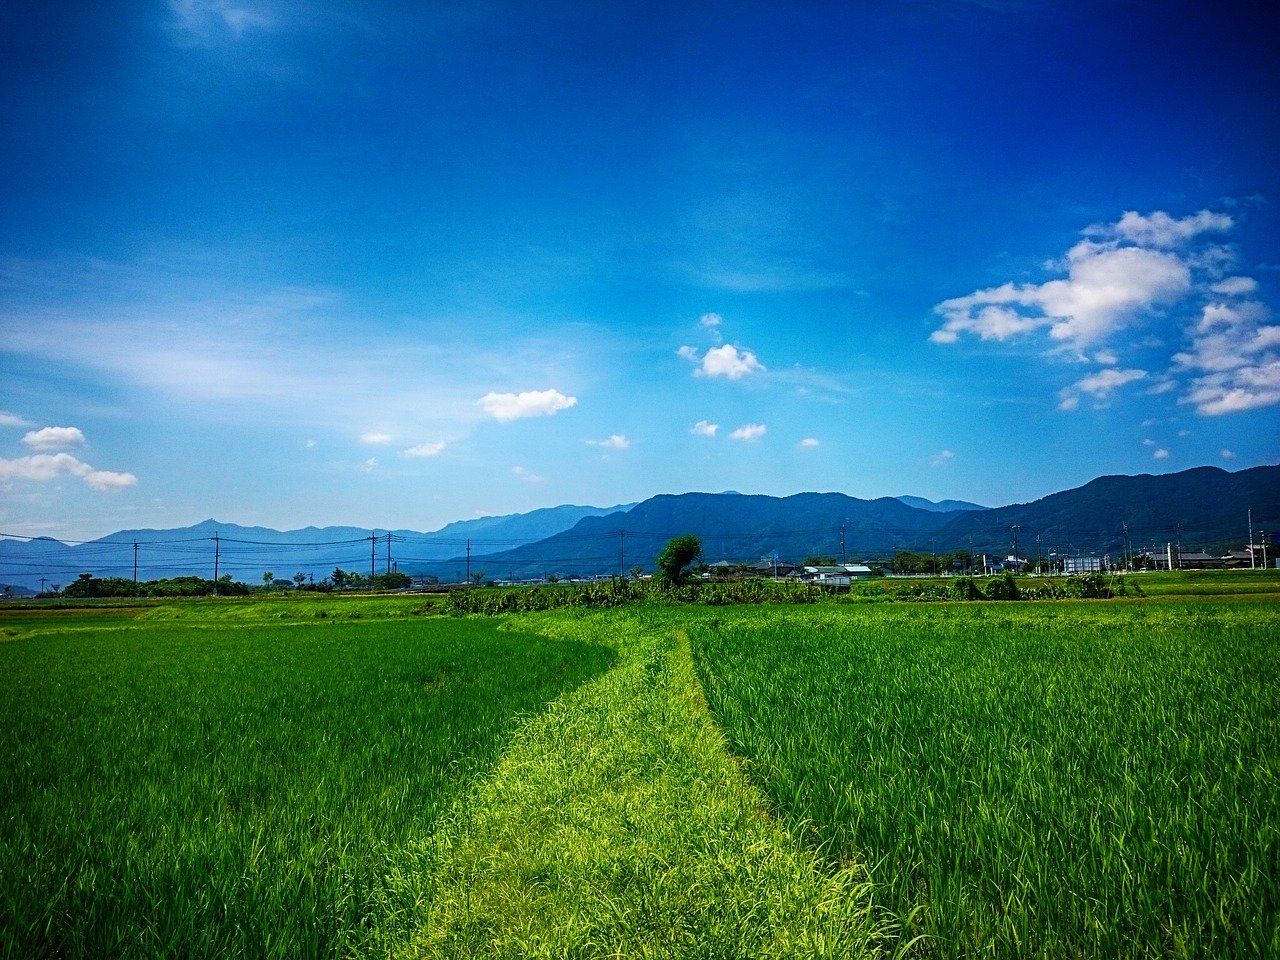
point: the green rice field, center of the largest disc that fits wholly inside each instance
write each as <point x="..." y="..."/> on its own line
<point x="180" y="790"/>
<point x="337" y="776"/>
<point x="1052" y="780"/>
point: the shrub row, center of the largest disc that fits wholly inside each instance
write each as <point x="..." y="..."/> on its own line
<point x="614" y="593"/>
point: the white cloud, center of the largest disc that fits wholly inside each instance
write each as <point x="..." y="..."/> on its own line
<point x="1107" y="358"/>
<point x="370" y="465"/>
<point x="728" y="361"/>
<point x="615" y="442"/>
<point x="808" y="443"/>
<point x="704" y="429"/>
<point x="1101" y="384"/>
<point x="1161" y="230"/>
<point x="689" y="353"/>
<point x="1227" y="454"/>
<point x="710" y="321"/>
<point x="1235" y="360"/>
<point x="1148" y="442"/>
<point x="1161" y="454"/>
<point x="376" y="437"/>
<point x="43" y="467"/>
<point x="1235" y="286"/>
<point x="12" y="420"/>
<point x="109" y="480"/>
<point x="425" y="449"/>
<point x="517" y="406"/>
<point x="943" y="457"/>
<point x="527" y="476"/>
<point x="1106" y="286"/>
<point x="310" y="444"/>
<point x="50" y="438"/>
<point x="749" y="432"/>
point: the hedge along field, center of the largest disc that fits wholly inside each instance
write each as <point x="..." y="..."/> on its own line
<point x="1051" y="780"/>
<point x="169" y="790"/>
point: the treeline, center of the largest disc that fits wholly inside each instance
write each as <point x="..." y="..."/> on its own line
<point x="87" y="586"/>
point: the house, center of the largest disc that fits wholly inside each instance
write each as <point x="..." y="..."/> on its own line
<point x="1082" y="564"/>
<point x="837" y="577"/>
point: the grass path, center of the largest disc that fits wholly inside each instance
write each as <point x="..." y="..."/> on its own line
<point x="618" y="825"/>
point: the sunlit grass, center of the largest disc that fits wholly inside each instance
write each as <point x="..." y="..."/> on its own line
<point x="188" y="791"/>
<point x="1066" y="780"/>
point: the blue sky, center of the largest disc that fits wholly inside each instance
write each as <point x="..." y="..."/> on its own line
<point x="392" y="265"/>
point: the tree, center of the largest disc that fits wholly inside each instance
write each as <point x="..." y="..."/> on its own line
<point x="339" y="578"/>
<point x="299" y="578"/>
<point x="676" y="556"/>
<point x="478" y="577"/>
<point x="637" y="572"/>
<point x="266" y="580"/>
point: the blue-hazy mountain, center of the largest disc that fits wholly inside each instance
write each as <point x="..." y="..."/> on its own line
<point x="247" y="552"/>
<point x="1205" y="508"/>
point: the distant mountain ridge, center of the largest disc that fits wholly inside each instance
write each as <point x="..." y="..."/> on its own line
<point x="941" y="506"/>
<point x="1204" y="509"/>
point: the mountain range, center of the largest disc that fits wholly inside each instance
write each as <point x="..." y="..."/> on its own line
<point x="1205" y="508"/>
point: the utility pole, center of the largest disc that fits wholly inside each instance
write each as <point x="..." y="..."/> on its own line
<point x="135" y="568"/>
<point x="622" y="554"/>
<point x="373" y="556"/>
<point x="1252" y="563"/>
<point x="468" y="559"/>
<point x="1179" y="545"/>
<point x="216" y="551"/>
<point x="42" y="580"/>
<point x="1015" y="528"/>
<point x="1263" y="534"/>
<point x="842" y="544"/>
<point x="388" y="551"/>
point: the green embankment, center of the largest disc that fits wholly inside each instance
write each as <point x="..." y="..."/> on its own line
<point x="242" y="789"/>
<point x="1042" y="780"/>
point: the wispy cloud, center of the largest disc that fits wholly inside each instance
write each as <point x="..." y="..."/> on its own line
<point x="617" y="441"/>
<point x="749" y="432"/>
<point x="518" y="406"/>
<point x="808" y="443"/>
<point x="425" y="449"/>
<point x="942" y="458"/>
<point x="206" y="21"/>
<point x="704" y="429"/>
<point x="13" y="420"/>
<point x="376" y="437"/>
<point x="1100" y="385"/>
<point x="1235" y="359"/>
<point x="51" y="438"/>
<point x="43" y="467"/>
<point x="527" y="476"/>
<point x="1160" y="454"/>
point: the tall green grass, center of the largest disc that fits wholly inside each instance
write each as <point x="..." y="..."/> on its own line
<point x="1051" y="780"/>
<point x="240" y="791"/>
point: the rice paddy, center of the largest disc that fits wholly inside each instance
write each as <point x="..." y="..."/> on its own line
<point x="339" y="777"/>
<point x="1079" y="780"/>
<point x="219" y="792"/>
